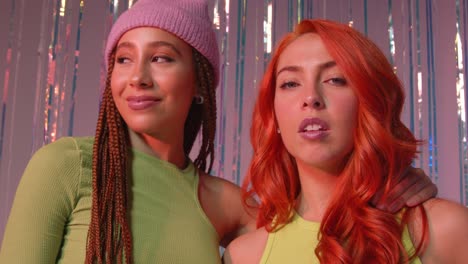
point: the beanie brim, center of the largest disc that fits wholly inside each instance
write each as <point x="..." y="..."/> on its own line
<point x="197" y="31"/>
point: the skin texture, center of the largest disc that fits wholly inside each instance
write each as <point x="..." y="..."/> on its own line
<point x="309" y="84"/>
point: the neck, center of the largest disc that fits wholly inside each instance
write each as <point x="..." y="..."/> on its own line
<point x="172" y="152"/>
<point x="317" y="187"/>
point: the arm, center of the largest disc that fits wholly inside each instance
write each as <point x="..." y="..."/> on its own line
<point x="414" y="188"/>
<point x="44" y="200"/>
<point x="221" y="201"/>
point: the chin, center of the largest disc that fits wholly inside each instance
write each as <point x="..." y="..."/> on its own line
<point x="143" y="127"/>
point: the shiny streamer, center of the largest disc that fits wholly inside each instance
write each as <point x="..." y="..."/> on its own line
<point x="462" y="13"/>
<point x="350" y="14"/>
<point x="419" y="91"/>
<point x="411" y="99"/>
<point x="391" y="35"/>
<point x="12" y="58"/>
<point x="38" y="138"/>
<point x="291" y="21"/>
<point x="55" y="75"/>
<point x="111" y="14"/>
<point x="365" y="17"/>
<point x="8" y="67"/>
<point x="48" y="110"/>
<point x="432" y="113"/>
<point x="267" y="31"/>
<point x="14" y="46"/>
<point x="221" y="22"/>
<point x="300" y="10"/>
<point x="238" y="99"/>
<point x="75" y="68"/>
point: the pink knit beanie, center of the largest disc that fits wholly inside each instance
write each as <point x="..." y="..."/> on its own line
<point x="187" y="19"/>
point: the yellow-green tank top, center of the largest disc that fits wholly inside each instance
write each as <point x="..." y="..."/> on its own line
<point x="296" y="242"/>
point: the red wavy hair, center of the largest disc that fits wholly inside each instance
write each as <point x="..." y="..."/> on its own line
<point x="352" y="231"/>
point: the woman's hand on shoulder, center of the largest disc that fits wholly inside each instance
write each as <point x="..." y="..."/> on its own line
<point x="415" y="187"/>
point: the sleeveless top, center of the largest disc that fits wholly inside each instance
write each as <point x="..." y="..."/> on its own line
<point x="296" y="243"/>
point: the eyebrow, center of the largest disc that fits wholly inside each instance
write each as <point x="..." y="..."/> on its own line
<point x="295" y="68"/>
<point x="154" y="44"/>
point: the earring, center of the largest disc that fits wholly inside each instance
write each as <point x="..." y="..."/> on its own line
<point x="199" y="99"/>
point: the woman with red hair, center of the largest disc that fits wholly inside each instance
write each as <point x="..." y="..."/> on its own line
<point x="327" y="137"/>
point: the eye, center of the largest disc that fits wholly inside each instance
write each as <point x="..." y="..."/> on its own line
<point x="336" y="81"/>
<point x="289" y="85"/>
<point x="122" y="60"/>
<point x="162" y="59"/>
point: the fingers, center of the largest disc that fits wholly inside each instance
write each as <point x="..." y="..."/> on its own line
<point x="425" y="193"/>
<point x="397" y="197"/>
<point x="401" y="190"/>
<point x="413" y="193"/>
<point x="414" y="188"/>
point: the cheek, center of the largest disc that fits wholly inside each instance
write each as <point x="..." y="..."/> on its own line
<point x="181" y="81"/>
<point x="349" y="121"/>
<point x="116" y="83"/>
<point x="345" y="105"/>
<point x="286" y="123"/>
<point x="282" y="111"/>
<point x="180" y="91"/>
<point x="190" y="88"/>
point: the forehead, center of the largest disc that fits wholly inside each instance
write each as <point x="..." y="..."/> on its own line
<point x="147" y="35"/>
<point x="307" y="49"/>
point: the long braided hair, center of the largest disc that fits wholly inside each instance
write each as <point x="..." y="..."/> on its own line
<point x="109" y="234"/>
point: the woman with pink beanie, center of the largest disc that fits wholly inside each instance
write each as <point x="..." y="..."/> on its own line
<point x="130" y="193"/>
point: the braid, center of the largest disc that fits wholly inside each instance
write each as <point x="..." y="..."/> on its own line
<point x="109" y="236"/>
<point x="204" y="114"/>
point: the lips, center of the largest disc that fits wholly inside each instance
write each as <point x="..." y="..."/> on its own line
<point x="141" y="102"/>
<point x="313" y="128"/>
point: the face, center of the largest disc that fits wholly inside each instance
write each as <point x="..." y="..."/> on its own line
<point x="153" y="82"/>
<point x="315" y="107"/>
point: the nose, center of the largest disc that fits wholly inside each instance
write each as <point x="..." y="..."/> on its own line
<point x="314" y="102"/>
<point x="141" y="76"/>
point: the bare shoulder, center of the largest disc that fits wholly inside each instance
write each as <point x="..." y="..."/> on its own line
<point x="220" y="191"/>
<point x="218" y="186"/>
<point x="448" y="231"/>
<point x="448" y="218"/>
<point x="221" y="200"/>
<point x="247" y="248"/>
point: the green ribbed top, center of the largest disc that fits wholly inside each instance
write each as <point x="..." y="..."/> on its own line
<point x="49" y="219"/>
<point x="296" y="243"/>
